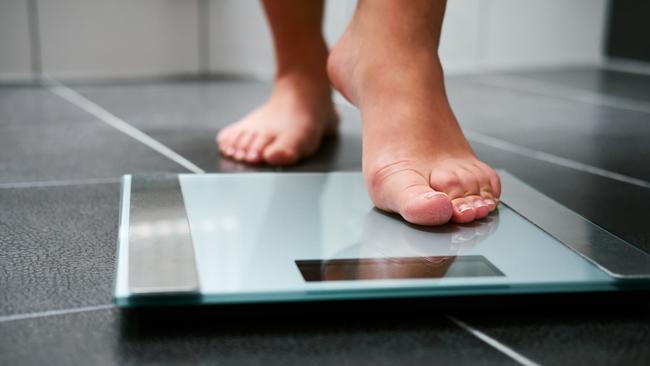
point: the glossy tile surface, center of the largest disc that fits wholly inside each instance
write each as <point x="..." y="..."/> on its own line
<point x="608" y="138"/>
<point x="186" y="116"/>
<point x="633" y="86"/>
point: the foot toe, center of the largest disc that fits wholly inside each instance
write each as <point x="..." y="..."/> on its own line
<point x="489" y="200"/>
<point x="470" y="188"/>
<point x="281" y="156"/>
<point x="253" y="157"/>
<point x="463" y="211"/>
<point x="481" y="208"/>
<point x="243" y="143"/>
<point x="257" y="147"/>
<point x="494" y="186"/>
<point x="401" y="189"/>
<point x="284" y="150"/>
<point x="230" y="145"/>
<point x="223" y="136"/>
<point x="225" y="140"/>
<point x="429" y="208"/>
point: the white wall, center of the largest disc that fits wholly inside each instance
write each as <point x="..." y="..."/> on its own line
<point x="477" y="34"/>
<point x="460" y="40"/>
<point x="547" y="32"/>
<point x="239" y="38"/>
<point x="124" y="38"/>
<point x="14" y="40"/>
<point x="102" y="38"/>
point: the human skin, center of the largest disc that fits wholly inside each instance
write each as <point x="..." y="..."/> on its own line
<point x="416" y="160"/>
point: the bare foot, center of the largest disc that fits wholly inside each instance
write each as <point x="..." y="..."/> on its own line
<point x="416" y="161"/>
<point x="289" y="126"/>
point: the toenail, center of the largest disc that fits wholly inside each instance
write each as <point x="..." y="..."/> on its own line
<point x="479" y="203"/>
<point x="489" y="201"/>
<point x="464" y="207"/>
<point x="239" y="155"/>
<point x="229" y="151"/>
<point x="253" y="155"/>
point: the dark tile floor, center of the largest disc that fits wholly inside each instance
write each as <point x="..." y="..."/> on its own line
<point x="632" y="86"/>
<point x="46" y="138"/>
<point x="59" y="196"/>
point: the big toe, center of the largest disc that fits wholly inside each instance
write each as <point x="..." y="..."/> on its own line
<point x="226" y="140"/>
<point x="430" y="208"/>
<point x="408" y="193"/>
<point x="285" y="150"/>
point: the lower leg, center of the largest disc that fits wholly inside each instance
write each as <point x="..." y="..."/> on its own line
<point x="299" y="112"/>
<point x="416" y="160"/>
<point x="296" y="27"/>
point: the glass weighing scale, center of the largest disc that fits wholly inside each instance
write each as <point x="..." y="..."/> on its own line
<point x="267" y="237"/>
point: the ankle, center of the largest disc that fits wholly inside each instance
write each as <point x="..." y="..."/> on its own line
<point x="302" y="77"/>
<point x="302" y="85"/>
<point x="419" y="22"/>
<point x="307" y="59"/>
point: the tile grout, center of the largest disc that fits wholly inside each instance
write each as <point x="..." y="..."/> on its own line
<point x="89" y="106"/>
<point x="484" y="139"/>
<point x="553" y="159"/>
<point x="42" y="314"/>
<point x="112" y="120"/>
<point x="59" y="183"/>
<point x="516" y="356"/>
<point x="553" y="90"/>
<point x="538" y="155"/>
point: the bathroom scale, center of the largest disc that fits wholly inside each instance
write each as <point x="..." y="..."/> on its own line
<point x="271" y="237"/>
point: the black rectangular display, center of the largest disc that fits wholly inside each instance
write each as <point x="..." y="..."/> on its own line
<point x="316" y="270"/>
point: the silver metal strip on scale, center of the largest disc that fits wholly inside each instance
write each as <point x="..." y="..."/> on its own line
<point x="608" y="252"/>
<point x="161" y="252"/>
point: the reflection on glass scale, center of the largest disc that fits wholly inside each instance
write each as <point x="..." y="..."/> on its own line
<point x="308" y="236"/>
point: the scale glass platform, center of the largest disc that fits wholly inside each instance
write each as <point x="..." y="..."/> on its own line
<point x="265" y="237"/>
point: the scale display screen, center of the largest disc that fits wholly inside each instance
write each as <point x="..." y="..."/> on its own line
<point x="353" y="269"/>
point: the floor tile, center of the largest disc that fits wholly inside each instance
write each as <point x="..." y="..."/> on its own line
<point x="607" y="138"/>
<point x="585" y="133"/>
<point x="57" y="247"/>
<point x="188" y="126"/>
<point x="632" y="86"/>
<point x="57" y="244"/>
<point x="186" y="116"/>
<point x="203" y="336"/>
<point x="618" y="207"/>
<point x="587" y="336"/>
<point x="46" y="138"/>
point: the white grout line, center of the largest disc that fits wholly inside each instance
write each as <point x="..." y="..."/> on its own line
<point x="543" y="156"/>
<point x="525" y="84"/>
<point x="8" y="318"/>
<point x="114" y="121"/>
<point x="522" y="360"/>
<point x="59" y="183"/>
<point x="550" y="158"/>
<point x="92" y="108"/>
